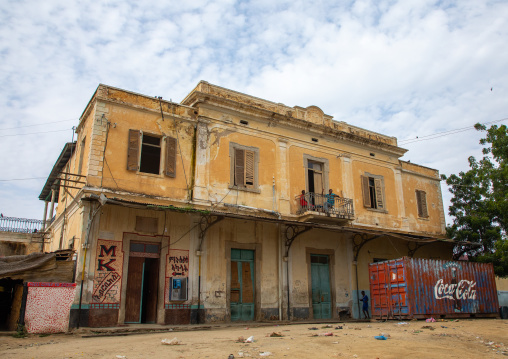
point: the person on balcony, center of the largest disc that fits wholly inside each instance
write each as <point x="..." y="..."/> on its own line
<point x="303" y="202"/>
<point x="330" y="200"/>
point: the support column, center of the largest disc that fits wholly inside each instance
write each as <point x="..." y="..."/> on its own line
<point x="45" y="216"/>
<point x="52" y="208"/>
<point x="400" y="200"/>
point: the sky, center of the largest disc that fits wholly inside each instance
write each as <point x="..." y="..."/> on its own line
<point x="408" y="69"/>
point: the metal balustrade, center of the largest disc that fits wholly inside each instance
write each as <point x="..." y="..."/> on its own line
<point x="20" y="225"/>
<point x="316" y="202"/>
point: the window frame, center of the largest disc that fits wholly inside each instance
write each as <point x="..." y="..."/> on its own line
<point x="326" y="168"/>
<point x="168" y="153"/>
<point x="233" y="148"/>
<point x="379" y="188"/>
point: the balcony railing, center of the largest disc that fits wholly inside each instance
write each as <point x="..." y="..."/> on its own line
<point x="315" y="202"/>
<point x="20" y="225"/>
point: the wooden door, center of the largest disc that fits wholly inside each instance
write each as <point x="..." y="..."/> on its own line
<point x="134" y="290"/>
<point x="242" y="285"/>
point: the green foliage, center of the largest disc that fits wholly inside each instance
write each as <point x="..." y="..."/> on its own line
<point x="21" y="332"/>
<point x="480" y="202"/>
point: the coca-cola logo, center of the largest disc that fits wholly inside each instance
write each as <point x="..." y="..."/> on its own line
<point x="465" y="289"/>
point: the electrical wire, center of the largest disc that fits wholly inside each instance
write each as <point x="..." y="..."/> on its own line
<point x="22" y="179"/>
<point x="33" y="133"/>
<point x="446" y="133"/>
<point x="37" y="124"/>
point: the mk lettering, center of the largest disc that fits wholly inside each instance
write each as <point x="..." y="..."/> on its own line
<point x="110" y="251"/>
<point x="106" y="266"/>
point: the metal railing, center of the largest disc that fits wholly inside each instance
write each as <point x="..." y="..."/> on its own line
<point x="20" y="225"/>
<point x="316" y="202"/>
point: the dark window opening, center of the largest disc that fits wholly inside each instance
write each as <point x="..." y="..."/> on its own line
<point x="150" y="155"/>
<point x="314" y="140"/>
<point x="372" y="193"/>
<point x="243" y="122"/>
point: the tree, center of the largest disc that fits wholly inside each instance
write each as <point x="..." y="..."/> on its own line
<point x="480" y="203"/>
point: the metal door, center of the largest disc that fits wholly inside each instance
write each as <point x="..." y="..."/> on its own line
<point x="320" y="278"/>
<point x="242" y="285"/>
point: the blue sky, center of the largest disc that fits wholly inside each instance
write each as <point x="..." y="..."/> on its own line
<point x="401" y="68"/>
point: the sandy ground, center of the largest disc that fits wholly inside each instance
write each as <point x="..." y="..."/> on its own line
<point x="470" y="338"/>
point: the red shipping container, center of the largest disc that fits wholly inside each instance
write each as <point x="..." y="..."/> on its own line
<point x="423" y="288"/>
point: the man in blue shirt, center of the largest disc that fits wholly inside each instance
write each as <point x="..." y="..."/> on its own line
<point x="330" y="200"/>
<point x="365" y="300"/>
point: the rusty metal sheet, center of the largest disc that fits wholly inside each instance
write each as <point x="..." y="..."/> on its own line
<point x="422" y="288"/>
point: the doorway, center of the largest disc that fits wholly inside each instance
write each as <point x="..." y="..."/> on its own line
<point x="320" y="284"/>
<point x="242" y="285"/>
<point x="315" y="182"/>
<point x="142" y="283"/>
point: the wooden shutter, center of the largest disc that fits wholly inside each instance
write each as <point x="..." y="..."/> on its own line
<point x="366" y="192"/>
<point x="133" y="151"/>
<point x="249" y="168"/>
<point x="378" y="183"/>
<point x="170" y="157"/>
<point x="239" y="167"/>
<point x="421" y="201"/>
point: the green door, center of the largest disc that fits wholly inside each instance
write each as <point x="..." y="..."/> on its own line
<point x="321" y="297"/>
<point x="242" y="285"/>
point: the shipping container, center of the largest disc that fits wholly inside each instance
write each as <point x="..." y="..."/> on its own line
<point x="408" y="288"/>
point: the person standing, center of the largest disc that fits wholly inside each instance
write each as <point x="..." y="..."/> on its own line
<point x="330" y="200"/>
<point x="365" y="308"/>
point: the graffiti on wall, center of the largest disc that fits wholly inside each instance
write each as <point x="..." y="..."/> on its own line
<point x="108" y="272"/>
<point x="177" y="267"/>
<point x="47" y="307"/>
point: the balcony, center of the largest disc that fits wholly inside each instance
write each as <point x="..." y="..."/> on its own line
<point x="20" y="225"/>
<point x="318" y="208"/>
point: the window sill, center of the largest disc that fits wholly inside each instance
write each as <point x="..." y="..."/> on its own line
<point x="424" y="218"/>
<point x="245" y="189"/>
<point x="376" y="210"/>
<point x="160" y="175"/>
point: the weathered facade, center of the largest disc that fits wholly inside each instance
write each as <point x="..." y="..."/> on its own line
<point x="194" y="212"/>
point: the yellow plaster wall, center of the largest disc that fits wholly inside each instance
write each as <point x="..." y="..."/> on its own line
<point x="434" y="223"/>
<point x="115" y="174"/>
<point x="390" y="218"/>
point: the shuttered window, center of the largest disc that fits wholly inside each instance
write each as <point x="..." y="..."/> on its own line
<point x="244" y="168"/>
<point x="421" y="202"/>
<point x="144" y="153"/>
<point x="372" y="189"/>
<point x="133" y="150"/>
<point x="170" y="157"/>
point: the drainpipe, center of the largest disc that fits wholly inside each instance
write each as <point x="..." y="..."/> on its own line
<point x="280" y="273"/>
<point x="355" y="263"/>
<point x="193" y="164"/>
<point x="102" y="201"/>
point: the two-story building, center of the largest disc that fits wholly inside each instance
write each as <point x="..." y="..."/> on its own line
<point x="228" y="207"/>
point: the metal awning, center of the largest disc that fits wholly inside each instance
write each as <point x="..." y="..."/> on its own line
<point x="64" y="157"/>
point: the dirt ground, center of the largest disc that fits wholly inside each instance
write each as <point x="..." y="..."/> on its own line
<point x="465" y="338"/>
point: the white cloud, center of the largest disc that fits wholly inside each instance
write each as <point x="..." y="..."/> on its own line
<point x="401" y="68"/>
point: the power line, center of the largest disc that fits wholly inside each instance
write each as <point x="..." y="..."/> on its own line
<point x="35" y="133"/>
<point x="21" y="179"/>
<point x="37" y="124"/>
<point x="446" y="133"/>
